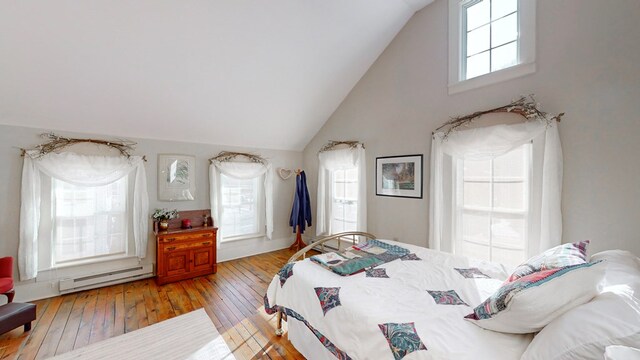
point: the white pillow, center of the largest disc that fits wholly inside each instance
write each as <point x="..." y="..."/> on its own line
<point x="616" y="352"/>
<point x="611" y="318"/>
<point x="529" y="303"/>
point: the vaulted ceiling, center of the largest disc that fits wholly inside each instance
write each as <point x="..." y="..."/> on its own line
<point x="253" y="73"/>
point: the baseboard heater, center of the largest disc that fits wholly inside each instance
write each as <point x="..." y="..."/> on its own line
<point x="106" y="278"/>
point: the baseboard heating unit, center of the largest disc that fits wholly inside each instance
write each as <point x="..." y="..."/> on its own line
<point x="111" y="277"/>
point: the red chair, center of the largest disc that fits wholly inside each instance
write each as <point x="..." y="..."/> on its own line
<point x="6" y="278"/>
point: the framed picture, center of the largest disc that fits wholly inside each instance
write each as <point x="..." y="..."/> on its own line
<point x="399" y="176"/>
<point x="176" y="177"/>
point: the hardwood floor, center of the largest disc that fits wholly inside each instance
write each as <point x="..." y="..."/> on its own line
<point x="233" y="298"/>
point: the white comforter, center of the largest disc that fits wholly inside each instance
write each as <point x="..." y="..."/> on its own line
<point x="402" y="298"/>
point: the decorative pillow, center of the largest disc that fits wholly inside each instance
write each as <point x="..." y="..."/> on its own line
<point x="529" y="303"/>
<point x="611" y="318"/>
<point x="557" y="257"/>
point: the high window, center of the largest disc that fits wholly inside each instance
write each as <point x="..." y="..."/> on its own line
<point x="492" y="207"/>
<point x="242" y="209"/>
<point x="89" y="222"/>
<point x="344" y="203"/>
<point x="487" y="37"/>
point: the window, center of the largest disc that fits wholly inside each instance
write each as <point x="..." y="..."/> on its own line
<point x="342" y="191"/>
<point x="490" y="41"/>
<point x="89" y="222"/>
<point x="344" y="203"/>
<point x="496" y="191"/>
<point x="492" y="207"/>
<point x="242" y="207"/>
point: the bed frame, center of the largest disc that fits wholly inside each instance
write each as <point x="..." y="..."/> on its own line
<point x="353" y="236"/>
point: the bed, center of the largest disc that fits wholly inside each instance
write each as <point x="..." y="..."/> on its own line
<point x="410" y="308"/>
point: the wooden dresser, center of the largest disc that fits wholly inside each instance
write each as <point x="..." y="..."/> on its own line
<point x="185" y="253"/>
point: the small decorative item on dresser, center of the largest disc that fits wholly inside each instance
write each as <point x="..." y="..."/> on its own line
<point x="162" y="216"/>
<point x="205" y="220"/>
<point x="186" y="224"/>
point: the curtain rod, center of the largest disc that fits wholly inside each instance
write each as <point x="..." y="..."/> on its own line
<point x="525" y="106"/>
<point x="230" y="155"/>
<point x="333" y="144"/>
<point x="56" y="142"/>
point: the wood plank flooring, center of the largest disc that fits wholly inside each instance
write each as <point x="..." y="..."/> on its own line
<point x="233" y="299"/>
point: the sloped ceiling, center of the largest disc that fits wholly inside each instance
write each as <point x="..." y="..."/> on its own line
<point x="253" y="73"/>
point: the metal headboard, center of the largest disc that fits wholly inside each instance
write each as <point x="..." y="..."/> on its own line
<point x="353" y="236"/>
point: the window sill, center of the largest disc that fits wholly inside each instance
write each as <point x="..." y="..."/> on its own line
<point x="242" y="237"/>
<point x="79" y="263"/>
<point x="493" y="78"/>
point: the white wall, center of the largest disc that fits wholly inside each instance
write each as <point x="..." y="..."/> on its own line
<point x="12" y="138"/>
<point x="588" y="62"/>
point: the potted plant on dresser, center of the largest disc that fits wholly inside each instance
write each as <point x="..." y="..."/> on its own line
<point x="162" y="216"/>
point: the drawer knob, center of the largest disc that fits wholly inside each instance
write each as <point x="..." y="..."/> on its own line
<point x="206" y="243"/>
<point x="169" y="239"/>
<point x="171" y="248"/>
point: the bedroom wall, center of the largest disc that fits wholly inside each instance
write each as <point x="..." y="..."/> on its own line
<point x="12" y="138"/>
<point x="588" y="65"/>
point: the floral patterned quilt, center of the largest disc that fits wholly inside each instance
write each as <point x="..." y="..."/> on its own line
<point x="409" y="308"/>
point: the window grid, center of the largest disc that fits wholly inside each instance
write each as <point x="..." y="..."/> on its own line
<point x="490" y="24"/>
<point x="342" y="219"/>
<point x="240" y="198"/>
<point x="491" y="210"/>
<point x="88" y="222"/>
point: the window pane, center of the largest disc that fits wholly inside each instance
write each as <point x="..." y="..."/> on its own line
<point x="344" y="209"/>
<point x="478" y="65"/>
<point x="504" y="30"/>
<point x="509" y="196"/>
<point x="240" y="206"/>
<point x="89" y="221"/>
<point x="351" y="190"/>
<point x="478" y="40"/>
<point x="500" y="8"/>
<point x="477" y="170"/>
<point x="475" y="227"/>
<point x="477" y="195"/>
<point x="351" y="174"/>
<point x="504" y="56"/>
<point x="511" y="166"/>
<point x="477" y="14"/>
<point x="508" y="231"/>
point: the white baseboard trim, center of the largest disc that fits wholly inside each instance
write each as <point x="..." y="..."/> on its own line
<point x="43" y="290"/>
<point x="32" y="291"/>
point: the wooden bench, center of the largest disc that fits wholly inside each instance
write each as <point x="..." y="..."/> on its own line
<point x="13" y="315"/>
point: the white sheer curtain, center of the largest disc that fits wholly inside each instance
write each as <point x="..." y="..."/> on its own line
<point x="340" y="159"/>
<point x="487" y="143"/>
<point x="240" y="170"/>
<point x="81" y="170"/>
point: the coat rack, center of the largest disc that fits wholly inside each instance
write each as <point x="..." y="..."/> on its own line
<point x="298" y="243"/>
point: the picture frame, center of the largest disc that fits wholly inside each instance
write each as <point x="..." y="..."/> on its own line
<point x="399" y="176"/>
<point x="176" y="177"/>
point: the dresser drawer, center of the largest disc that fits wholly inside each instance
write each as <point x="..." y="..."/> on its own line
<point x="186" y="245"/>
<point x="185" y="237"/>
